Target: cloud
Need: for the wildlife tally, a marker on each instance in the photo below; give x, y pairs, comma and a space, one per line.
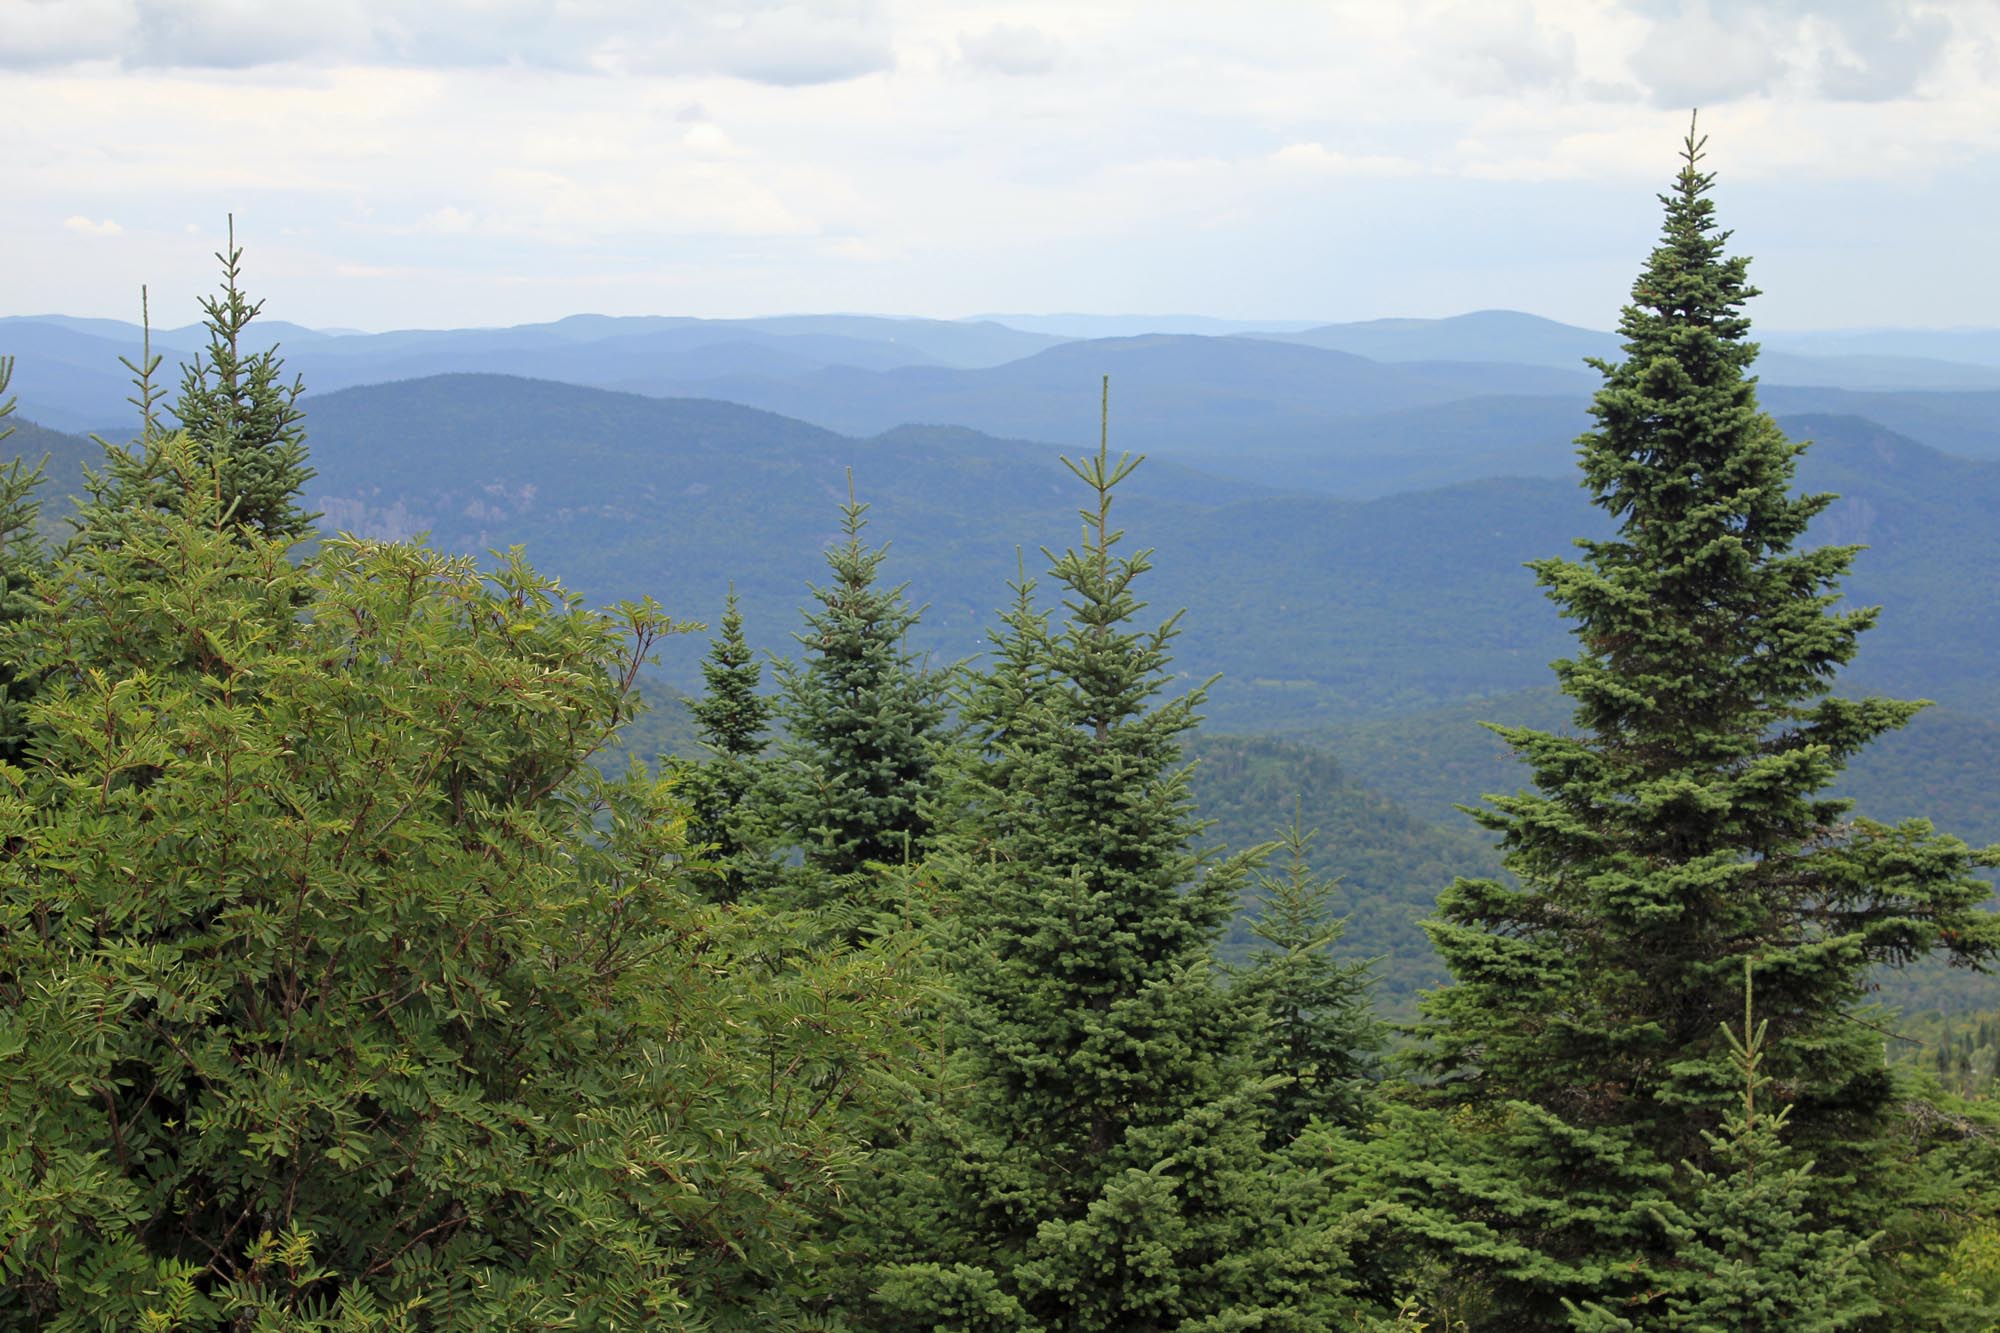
447, 221
1699, 53
45, 32
523, 148
1503, 49
1009, 48
1697, 59
1315, 157
84, 226
780, 44
710, 141
1878, 53
761, 41
242, 34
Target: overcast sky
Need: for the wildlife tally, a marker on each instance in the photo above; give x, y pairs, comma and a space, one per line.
446, 162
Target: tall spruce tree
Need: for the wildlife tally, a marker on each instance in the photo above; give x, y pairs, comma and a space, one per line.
863, 720
1680, 831
1098, 1160
730, 718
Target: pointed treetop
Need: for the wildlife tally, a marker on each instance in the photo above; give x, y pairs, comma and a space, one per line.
145, 394
1102, 475
853, 514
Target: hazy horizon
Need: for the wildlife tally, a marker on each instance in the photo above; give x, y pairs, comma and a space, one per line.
486, 163
1026, 321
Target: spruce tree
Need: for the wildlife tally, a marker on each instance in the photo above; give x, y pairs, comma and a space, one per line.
236, 408
1096, 1161
730, 718
990, 703
1746, 1254
1679, 831
863, 721
1322, 1035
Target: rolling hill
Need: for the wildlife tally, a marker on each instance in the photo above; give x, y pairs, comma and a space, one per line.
1381, 629
1318, 609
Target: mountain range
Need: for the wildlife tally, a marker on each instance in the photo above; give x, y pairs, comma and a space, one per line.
1316, 607
1209, 385
1344, 510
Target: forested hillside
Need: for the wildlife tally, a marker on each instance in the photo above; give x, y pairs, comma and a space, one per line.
486, 852
1418, 600
1388, 663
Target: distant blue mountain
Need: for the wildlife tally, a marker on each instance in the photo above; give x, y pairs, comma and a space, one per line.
1376, 394
1317, 608
1845, 361
1132, 326
1198, 398
1483, 335
68, 373
1977, 346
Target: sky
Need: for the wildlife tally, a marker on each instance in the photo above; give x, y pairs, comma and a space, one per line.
442, 163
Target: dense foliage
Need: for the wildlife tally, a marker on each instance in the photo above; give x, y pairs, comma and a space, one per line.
369, 959
21, 560
1098, 1160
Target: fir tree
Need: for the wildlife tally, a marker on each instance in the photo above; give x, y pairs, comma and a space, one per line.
236, 409
990, 705
1322, 1035
1747, 1255
863, 720
730, 719
731, 716
1097, 1162
1678, 832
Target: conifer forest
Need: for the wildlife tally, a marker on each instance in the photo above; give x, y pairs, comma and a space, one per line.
389, 942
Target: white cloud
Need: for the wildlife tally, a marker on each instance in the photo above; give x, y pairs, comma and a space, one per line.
1311, 156
55, 32
1010, 48
87, 227
776, 42
447, 221
1879, 52
1503, 48
513, 159
1698, 59
710, 141
1701, 52
786, 45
